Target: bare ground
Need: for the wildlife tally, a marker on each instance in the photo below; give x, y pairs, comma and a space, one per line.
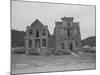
32, 64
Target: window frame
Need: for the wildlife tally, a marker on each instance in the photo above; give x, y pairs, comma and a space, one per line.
30, 43
37, 33
43, 32
62, 46
30, 32
44, 44
68, 33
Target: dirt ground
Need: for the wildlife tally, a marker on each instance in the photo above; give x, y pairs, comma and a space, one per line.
21, 63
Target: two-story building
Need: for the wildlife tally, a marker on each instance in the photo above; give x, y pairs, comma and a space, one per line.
36, 39
66, 37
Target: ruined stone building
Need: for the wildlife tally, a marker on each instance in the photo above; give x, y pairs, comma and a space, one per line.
66, 37
36, 39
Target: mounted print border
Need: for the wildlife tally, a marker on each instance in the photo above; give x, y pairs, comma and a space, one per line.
52, 37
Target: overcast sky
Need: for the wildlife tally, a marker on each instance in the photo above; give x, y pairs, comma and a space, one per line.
24, 13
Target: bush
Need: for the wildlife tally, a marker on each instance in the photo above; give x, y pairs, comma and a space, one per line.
48, 53
61, 52
93, 51
18, 50
89, 50
33, 52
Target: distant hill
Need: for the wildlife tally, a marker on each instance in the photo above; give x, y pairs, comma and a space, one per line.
17, 38
91, 41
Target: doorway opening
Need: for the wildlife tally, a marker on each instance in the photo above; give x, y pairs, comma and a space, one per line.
37, 43
71, 46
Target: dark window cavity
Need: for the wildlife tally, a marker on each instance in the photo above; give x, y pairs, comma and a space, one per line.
44, 42
76, 43
71, 46
68, 32
37, 33
30, 43
68, 24
62, 46
44, 32
30, 32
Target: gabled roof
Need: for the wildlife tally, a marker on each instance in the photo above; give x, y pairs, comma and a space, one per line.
36, 22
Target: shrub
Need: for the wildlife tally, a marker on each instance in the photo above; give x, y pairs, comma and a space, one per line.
18, 50
62, 52
33, 52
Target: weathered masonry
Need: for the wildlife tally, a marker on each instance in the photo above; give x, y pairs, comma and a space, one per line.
66, 37
36, 39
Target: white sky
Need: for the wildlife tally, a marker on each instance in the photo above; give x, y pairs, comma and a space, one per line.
24, 13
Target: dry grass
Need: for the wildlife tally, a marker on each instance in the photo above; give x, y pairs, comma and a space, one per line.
29, 64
